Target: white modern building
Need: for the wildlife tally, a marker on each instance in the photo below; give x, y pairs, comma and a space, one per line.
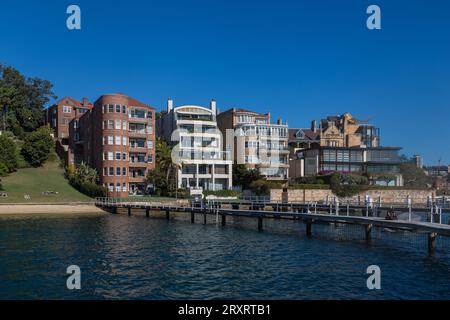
197, 146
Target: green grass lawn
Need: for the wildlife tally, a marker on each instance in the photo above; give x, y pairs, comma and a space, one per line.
34, 181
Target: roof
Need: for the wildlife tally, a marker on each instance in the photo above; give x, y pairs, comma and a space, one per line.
309, 134
241, 110
74, 102
131, 101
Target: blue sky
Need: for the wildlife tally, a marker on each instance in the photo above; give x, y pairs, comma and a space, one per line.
300, 60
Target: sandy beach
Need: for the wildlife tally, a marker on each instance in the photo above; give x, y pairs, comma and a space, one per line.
14, 209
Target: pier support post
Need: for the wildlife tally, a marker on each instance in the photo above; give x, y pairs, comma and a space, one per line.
224, 219
260, 223
147, 212
432, 242
129, 211
369, 232
192, 217
204, 217
308, 229
167, 215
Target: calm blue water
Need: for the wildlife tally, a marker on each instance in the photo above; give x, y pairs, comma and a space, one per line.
137, 258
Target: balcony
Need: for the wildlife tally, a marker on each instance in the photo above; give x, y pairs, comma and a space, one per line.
198, 155
137, 133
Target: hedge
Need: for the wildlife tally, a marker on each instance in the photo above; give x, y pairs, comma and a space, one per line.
222, 193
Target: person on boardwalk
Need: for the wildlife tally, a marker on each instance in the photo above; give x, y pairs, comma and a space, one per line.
391, 214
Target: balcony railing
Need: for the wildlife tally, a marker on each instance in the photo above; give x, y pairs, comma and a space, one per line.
220, 155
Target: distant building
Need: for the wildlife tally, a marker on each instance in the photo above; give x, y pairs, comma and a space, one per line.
418, 160
346, 131
197, 141
345, 145
256, 142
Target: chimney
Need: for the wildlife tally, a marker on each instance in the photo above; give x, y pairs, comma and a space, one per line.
169, 105
213, 106
314, 126
85, 102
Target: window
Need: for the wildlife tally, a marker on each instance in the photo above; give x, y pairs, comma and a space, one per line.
118, 124
76, 124
118, 140
110, 124
105, 124
150, 144
124, 109
111, 187
118, 171
124, 187
118, 108
110, 140
124, 125
104, 108
118, 187
150, 130
124, 171
124, 156
111, 171
105, 140
67, 109
105, 171
150, 115
117, 155
124, 141
110, 108
150, 158
110, 156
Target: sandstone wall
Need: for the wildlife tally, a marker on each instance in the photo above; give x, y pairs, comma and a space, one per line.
418, 197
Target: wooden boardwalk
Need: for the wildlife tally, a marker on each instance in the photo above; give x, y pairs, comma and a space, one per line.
321, 214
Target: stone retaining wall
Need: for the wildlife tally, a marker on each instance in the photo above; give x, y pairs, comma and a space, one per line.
418, 197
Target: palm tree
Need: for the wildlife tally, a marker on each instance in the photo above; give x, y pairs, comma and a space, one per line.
164, 159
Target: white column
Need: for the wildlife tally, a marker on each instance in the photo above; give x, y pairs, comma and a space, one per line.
230, 176
196, 175
213, 176
179, 178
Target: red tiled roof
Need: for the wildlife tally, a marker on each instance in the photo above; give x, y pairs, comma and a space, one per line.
135, 103
73, 101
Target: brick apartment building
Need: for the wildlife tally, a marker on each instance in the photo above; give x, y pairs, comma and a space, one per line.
256, 142
115, 136
59, 116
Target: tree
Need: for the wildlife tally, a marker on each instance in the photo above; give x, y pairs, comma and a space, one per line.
242, 176
8, 156
165, 170
37, 146
25, 99
414, 176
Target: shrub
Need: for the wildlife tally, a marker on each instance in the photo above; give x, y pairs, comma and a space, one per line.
181, 193
222, 193
309, 186
8, 154
3, 170
84, 179
263, 186
38, 146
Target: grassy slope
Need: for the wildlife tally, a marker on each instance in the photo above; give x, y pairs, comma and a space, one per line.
34, 181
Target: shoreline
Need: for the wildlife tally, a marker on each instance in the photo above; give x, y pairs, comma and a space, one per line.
49, 208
